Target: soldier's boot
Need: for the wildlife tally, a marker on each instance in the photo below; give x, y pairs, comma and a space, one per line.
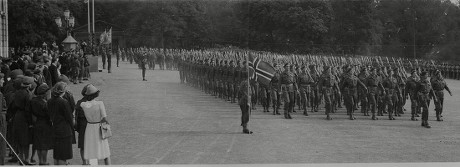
413, 118
425, 124
352, 117
373, 116
328, 109
246, 130
438, 116
305, 112
390, 115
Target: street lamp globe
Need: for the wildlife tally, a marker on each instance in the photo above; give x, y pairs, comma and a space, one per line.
71, 21
58, 21
67, 14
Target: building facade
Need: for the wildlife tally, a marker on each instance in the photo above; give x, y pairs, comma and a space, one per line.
4, 47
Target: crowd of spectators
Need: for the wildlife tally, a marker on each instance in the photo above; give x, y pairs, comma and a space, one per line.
38, 110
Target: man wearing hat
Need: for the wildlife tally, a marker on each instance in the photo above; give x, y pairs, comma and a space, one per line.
411, 91
373, 83
288, 87
327, 83
425, 92
438, 85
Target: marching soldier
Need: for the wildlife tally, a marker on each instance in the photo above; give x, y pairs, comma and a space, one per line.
362, 94
425, 93
381, 96
373, 84
392, 93
402, 87
275, 91
411, 90
349, 88
288, 87
337, 98
439, 85
314, 98
327, 83
305, 82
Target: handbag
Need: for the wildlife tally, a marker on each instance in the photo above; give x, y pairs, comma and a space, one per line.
106, 132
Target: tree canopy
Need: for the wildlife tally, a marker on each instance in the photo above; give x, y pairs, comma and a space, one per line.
404, 28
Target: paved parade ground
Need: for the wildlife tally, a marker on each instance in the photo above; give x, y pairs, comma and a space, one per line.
161, 121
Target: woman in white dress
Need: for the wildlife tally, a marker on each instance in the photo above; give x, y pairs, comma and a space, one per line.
95, 147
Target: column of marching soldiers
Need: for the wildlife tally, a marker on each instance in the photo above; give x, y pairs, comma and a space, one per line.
376, 86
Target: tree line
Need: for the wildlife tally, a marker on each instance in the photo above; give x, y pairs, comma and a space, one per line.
402, 28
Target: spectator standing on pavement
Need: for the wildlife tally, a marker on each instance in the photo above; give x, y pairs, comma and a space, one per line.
43, 131
61, 118
3, 123
95, 113
81, 124
22, 118
53, 70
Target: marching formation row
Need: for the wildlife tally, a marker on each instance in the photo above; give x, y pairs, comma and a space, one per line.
307, 80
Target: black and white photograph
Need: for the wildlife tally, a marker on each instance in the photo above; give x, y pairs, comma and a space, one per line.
230, 82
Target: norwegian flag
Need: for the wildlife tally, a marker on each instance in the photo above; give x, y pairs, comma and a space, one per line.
260, 71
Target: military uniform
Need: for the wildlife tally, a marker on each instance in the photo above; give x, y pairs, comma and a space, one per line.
244, 106
305, 82
373, 84
288, 88
424, 92
392, 90
350, 93
314, 96
275, 86
327, 83
411, 90
362, 94
438, 85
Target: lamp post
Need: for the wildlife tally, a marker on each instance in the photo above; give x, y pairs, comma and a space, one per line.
68, 24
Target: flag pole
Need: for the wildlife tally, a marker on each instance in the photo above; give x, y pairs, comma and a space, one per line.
249, 85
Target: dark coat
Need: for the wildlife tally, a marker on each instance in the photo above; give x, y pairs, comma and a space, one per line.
43, 130
22, 117
47, 76
53, 74
61, 117
81, 122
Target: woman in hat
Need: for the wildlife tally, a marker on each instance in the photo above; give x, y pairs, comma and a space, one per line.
22, 119
43, 131
61, 118
95, 147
